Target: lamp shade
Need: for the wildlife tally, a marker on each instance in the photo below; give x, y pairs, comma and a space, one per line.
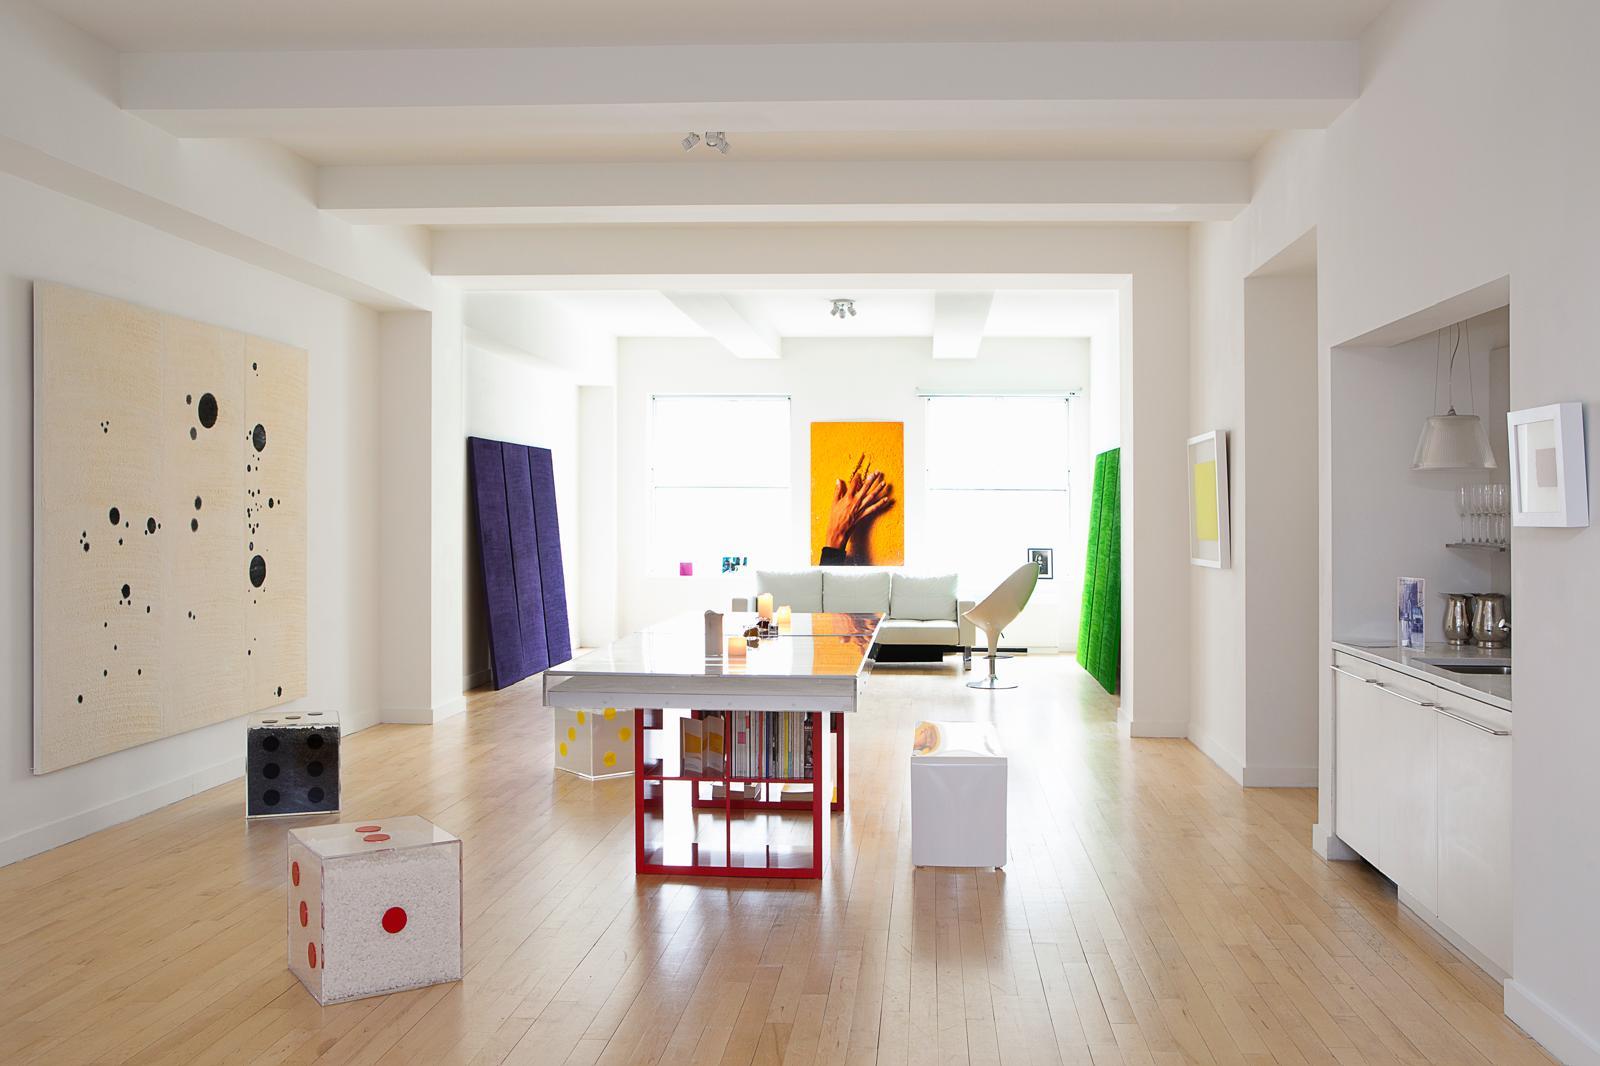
1453, 442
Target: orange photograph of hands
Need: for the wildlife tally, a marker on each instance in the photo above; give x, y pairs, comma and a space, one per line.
858, 515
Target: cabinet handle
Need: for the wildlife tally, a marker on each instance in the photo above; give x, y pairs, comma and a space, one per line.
1402, 696
1476, 725
1358, 677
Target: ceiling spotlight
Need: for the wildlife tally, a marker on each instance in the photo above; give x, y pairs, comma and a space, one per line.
690, 141
843, 309
717, 140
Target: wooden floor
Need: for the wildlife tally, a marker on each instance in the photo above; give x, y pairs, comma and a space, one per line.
1152, 912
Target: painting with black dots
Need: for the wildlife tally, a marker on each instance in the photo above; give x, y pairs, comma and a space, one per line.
149, 620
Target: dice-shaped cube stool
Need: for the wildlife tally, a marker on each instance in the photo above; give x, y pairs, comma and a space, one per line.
291, 763
593, 744
374, 907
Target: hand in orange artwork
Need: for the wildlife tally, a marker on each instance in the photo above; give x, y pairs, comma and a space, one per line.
864, 493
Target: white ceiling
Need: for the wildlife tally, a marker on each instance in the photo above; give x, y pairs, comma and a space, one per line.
880, 313
176, 25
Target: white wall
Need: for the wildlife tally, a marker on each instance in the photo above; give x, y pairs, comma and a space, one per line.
52, 238
834, 380
513, 396
1471, 157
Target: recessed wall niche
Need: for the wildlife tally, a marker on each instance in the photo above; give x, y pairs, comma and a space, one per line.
168, 595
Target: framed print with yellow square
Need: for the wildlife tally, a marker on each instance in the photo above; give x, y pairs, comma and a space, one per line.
1208, 499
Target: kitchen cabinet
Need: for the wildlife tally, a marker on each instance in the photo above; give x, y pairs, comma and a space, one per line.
1422, 790
1475, 825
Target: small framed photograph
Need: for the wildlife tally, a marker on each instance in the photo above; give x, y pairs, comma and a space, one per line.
1411, 610
1549, 477
1044, 559
1208, 499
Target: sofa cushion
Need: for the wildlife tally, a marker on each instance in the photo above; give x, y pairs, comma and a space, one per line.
857, 591
800, 589
913, 631
923, 598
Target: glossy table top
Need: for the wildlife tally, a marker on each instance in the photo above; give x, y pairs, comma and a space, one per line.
816, 646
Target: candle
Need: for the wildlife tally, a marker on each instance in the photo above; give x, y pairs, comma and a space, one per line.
784, 616
764, 606
736, 647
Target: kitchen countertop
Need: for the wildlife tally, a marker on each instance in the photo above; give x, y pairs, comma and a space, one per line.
1493, 689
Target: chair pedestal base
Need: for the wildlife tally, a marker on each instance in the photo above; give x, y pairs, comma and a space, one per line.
991, 683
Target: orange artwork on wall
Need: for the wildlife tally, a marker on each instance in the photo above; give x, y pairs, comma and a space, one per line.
858, 493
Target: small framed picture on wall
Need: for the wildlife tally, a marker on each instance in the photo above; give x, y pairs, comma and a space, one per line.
1411, 611
1208, 499
1044, 559
1549, 477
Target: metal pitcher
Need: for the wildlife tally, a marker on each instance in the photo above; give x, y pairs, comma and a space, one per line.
1491, 620
1457, 618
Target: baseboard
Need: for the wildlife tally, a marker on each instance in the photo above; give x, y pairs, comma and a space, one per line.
1225, 759
1280, 777
1558, 1035
424, 715
1156, 730
1330, 847
476, 679
77, 826
1459, 942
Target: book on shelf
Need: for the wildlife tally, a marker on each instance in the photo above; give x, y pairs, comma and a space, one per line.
692, 738
765, 744
715, 728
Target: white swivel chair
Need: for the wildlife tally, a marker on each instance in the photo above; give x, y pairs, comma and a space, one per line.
998, 610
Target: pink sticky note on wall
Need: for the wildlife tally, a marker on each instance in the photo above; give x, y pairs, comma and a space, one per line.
686, 570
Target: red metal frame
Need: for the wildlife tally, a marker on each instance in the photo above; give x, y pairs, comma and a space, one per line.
645, 776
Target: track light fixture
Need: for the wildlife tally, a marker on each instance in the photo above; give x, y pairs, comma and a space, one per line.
843, 309
714, 139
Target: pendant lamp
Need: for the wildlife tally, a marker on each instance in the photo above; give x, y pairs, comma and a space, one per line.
1451, 441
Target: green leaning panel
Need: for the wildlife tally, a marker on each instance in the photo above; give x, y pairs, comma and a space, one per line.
1100, 624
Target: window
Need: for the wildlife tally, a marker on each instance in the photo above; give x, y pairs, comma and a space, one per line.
998, 474
719, 481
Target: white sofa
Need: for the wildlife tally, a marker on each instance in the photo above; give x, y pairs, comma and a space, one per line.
921, 613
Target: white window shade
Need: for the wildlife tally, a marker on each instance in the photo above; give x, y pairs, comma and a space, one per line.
997, 442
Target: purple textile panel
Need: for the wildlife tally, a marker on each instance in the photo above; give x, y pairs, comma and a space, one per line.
513, 493
558, 633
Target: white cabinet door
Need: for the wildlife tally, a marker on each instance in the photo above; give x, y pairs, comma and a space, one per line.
1408, 841
1475, 826
1357, 752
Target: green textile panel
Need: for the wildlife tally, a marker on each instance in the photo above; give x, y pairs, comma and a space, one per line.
1100, 624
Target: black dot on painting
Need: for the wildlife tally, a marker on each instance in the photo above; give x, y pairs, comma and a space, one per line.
315, 795
258, 571
80, 697
115, 516
258, 437
269, 501
85, 545
147, 609
197, 503
126, 592
207, 410
193, 433
194, 525
314, 769
105, 673
189, 398
280, 690
149, 525
269, 744
270, 771
140, 671
314, 741
270, 797
119, 540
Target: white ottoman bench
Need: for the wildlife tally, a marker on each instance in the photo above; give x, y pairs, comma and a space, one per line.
958, 795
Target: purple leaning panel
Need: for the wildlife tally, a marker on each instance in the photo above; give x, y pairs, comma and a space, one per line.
557, 631
525, 559
485, 466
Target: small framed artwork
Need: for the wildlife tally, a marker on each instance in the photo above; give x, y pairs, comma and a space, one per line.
1549, 477
1411, 611
1044, 559
1208, 499
732, 564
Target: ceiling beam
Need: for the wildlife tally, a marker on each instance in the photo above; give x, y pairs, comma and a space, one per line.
732, 324
813, 88
959, 320
724, 191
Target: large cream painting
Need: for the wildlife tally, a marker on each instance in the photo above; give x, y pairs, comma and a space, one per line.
169, 525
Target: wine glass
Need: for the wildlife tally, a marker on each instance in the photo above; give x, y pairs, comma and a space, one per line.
1463, 505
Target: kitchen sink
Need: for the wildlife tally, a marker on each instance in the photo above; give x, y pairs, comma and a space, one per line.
1474, 668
